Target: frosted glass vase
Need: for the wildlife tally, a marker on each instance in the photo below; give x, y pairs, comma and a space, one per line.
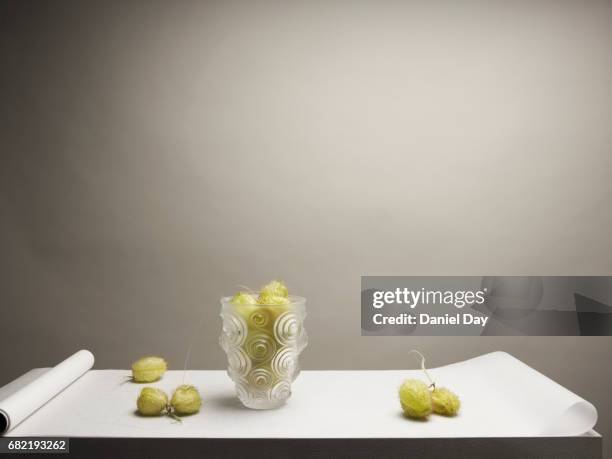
263, 344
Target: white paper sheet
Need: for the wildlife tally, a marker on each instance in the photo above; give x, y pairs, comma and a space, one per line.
501, 397
21, 402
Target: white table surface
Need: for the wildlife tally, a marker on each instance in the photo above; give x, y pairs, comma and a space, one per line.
324, 404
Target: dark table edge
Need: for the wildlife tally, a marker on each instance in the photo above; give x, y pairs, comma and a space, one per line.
583, 447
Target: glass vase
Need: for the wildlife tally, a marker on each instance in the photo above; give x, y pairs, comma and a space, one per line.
263, 344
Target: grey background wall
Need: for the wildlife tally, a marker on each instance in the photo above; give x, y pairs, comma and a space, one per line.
154, 155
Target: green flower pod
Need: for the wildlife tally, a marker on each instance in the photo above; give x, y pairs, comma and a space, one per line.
275, 288
186, 400
243, 298
415, 399
445, 402
152, 402
148, 369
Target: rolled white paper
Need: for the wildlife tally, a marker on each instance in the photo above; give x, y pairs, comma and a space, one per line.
22, 403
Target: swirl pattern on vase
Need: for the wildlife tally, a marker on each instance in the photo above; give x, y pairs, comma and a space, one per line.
261, 378
284, 362
238, 362
260, 346
259, 318
286, 328
235, 331
281, 391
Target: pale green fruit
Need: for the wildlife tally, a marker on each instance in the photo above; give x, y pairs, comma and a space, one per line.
152, 402
269, 299
243, 298
186, 400
415, 399
148, 369
445, 402
275, 288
